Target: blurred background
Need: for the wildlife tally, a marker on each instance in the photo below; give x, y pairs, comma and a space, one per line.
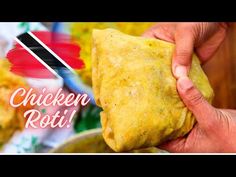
221, 71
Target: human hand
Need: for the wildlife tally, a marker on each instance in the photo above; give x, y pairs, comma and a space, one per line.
215, 130
203, 38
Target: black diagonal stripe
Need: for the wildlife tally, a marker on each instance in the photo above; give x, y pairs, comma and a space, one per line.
40, 51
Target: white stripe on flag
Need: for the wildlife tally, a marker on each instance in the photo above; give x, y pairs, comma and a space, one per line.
53, 53
38, 58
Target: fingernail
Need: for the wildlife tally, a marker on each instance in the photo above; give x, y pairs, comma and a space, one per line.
180, 71
185, 83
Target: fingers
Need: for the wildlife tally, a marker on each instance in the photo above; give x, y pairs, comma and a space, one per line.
184, 38
163, 31
193, 99
209, 47
182, 58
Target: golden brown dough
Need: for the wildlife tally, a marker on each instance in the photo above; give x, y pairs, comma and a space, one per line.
133, 83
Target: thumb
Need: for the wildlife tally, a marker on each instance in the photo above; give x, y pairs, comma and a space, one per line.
196, 103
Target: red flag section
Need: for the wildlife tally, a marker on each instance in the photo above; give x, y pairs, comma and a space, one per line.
24, 64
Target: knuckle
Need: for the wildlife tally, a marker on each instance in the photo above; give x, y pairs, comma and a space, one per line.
187, 28
183, 57
183, 53
194, 97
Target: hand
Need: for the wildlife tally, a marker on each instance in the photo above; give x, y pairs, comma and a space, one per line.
204, 38
215, 130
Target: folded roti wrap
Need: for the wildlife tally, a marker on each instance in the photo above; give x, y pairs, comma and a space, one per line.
133, 83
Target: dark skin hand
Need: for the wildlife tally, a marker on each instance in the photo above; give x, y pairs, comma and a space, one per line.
215, 130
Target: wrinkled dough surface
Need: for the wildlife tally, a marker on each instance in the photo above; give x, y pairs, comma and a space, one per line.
134, 85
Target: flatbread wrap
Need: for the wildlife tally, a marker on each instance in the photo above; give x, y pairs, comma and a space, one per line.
134, 85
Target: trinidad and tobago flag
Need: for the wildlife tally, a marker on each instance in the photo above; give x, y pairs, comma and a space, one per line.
44, 54
40, 54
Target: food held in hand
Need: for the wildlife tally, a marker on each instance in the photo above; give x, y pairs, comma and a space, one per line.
134, 85
82, 31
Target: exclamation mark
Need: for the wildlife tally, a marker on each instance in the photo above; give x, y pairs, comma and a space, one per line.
71, 118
